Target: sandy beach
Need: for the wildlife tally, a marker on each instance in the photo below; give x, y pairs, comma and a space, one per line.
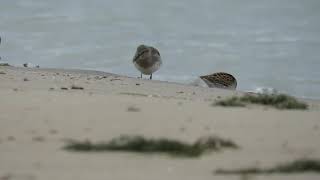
40, 111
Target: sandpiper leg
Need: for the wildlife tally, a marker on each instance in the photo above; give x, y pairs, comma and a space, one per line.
141, 76
151, 76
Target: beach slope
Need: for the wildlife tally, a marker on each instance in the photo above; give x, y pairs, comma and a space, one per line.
41, 109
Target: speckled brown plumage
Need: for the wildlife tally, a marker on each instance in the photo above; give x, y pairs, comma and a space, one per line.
220, 80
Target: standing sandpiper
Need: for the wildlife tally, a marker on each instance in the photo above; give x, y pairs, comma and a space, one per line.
147, 60
220, 80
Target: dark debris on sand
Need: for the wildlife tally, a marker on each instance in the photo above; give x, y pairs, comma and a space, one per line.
133, 109
279, 101
4, 64
297, 166
140, 144
77, 87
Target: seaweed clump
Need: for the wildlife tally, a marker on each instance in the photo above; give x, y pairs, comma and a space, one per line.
279, 101
140, 144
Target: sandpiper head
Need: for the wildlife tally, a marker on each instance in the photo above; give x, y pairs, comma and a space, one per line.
141, 47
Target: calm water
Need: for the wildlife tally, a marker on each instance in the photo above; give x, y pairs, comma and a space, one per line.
263, 43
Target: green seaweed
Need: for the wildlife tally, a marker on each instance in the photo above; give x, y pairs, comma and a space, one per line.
279, 101
140, 144
298, 166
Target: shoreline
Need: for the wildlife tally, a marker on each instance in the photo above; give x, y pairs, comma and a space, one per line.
85, 77
197, 82
103, 73
38, 117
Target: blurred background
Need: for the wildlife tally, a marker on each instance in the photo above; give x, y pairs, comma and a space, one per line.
265, 43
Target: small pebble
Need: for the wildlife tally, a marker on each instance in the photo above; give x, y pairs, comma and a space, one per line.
6, 177
99, 77
285, 144
77, 87
64, 88
36, 165
38, 138
182, 129
52, 88
53, 131
115, 79
25, 79
207, 128
1, 72
138, 84
133, 109
11, 138
189, 119
33, 132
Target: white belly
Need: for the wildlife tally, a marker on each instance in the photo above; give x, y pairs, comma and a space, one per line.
149, 70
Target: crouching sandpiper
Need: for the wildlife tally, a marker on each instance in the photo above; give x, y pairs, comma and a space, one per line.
147, 60
220, 80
